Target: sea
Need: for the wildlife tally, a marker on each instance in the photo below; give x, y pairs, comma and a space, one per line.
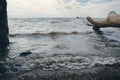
60, 44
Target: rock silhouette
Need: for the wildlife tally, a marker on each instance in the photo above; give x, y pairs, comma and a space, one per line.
4, 31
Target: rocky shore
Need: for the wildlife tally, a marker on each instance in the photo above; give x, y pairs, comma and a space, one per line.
107, 72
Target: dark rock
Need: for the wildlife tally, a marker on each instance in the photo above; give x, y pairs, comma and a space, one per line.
108, 72
95, 73
3, 18
9, 67
4, 30
23, 54
12, 67
3, 69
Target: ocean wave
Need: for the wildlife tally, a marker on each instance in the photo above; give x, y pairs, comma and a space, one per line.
57, 62
49, 33
61, 21
69, 62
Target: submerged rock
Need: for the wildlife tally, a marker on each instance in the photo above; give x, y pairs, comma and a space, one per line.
23, 54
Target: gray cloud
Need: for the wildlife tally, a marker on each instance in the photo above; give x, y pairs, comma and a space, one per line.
100, 1
67, 1
68, 7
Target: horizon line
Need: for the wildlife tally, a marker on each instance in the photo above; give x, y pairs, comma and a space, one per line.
43, 17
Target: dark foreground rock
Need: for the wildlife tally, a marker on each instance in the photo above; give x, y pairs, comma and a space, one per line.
8, 67
109, 72
4, 31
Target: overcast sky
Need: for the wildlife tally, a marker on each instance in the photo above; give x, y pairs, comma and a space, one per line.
61, 8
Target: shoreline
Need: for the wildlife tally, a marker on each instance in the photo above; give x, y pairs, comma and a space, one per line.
108, 72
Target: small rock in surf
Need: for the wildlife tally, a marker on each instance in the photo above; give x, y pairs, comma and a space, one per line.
26, 53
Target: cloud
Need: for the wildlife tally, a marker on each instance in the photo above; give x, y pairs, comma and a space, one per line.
82, 1
67, 0
61, 8
101, 1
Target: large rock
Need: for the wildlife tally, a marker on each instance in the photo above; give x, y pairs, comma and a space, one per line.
4, 31
3, 18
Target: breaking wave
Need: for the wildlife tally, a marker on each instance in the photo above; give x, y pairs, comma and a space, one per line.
50, 33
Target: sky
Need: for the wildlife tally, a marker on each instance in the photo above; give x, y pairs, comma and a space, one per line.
61, 8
